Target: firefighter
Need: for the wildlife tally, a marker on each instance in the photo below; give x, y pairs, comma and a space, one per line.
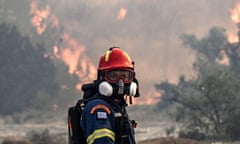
104, 118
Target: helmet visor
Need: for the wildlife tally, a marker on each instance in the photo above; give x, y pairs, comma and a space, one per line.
114, 76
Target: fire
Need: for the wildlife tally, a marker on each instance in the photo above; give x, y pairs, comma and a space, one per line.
75, 58
235, 16
235, 13
72, 53
232, 38
122, 14
39, 17
70, 57
56, 51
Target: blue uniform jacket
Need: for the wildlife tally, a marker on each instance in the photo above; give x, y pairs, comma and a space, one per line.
98, 123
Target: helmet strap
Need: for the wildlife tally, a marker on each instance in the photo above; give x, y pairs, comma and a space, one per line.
100, 75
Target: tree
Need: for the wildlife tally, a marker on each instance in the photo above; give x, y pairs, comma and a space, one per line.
208, 106
167, 91
25, 71
208, 47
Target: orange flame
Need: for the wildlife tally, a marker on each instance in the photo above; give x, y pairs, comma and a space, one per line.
73, 54
122, 14
235, 16
39, 17
235, 13
79, 64
232, 38
70, 55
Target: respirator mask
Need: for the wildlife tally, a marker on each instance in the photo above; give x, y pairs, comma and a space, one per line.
118, 83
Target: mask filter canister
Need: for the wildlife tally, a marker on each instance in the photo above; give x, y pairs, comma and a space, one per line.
105, 89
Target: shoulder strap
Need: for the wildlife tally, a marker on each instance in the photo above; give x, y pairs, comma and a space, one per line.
79, 105
89, 90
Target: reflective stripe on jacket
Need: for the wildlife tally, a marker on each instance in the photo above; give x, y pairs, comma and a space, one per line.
98, 123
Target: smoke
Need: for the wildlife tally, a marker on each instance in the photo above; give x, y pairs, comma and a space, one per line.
148, 30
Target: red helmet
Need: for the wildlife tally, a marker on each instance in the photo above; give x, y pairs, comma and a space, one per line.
115, 58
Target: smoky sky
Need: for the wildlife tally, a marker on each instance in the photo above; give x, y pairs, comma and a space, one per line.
149, 32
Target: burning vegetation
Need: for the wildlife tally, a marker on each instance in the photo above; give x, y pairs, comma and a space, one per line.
213, 111
70, 51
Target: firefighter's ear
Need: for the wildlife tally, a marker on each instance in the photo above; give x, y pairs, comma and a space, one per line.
105, 88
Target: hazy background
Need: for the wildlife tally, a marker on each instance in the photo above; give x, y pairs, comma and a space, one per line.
77, 32
148, 30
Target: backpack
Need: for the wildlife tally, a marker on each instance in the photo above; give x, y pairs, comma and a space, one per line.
75, 134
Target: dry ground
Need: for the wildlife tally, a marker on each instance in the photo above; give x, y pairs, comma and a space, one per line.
170, 140
164, 140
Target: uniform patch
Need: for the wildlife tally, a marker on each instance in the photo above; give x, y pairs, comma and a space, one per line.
101, 115
100, 107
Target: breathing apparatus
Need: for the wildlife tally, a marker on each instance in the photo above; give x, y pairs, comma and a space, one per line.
116, 75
